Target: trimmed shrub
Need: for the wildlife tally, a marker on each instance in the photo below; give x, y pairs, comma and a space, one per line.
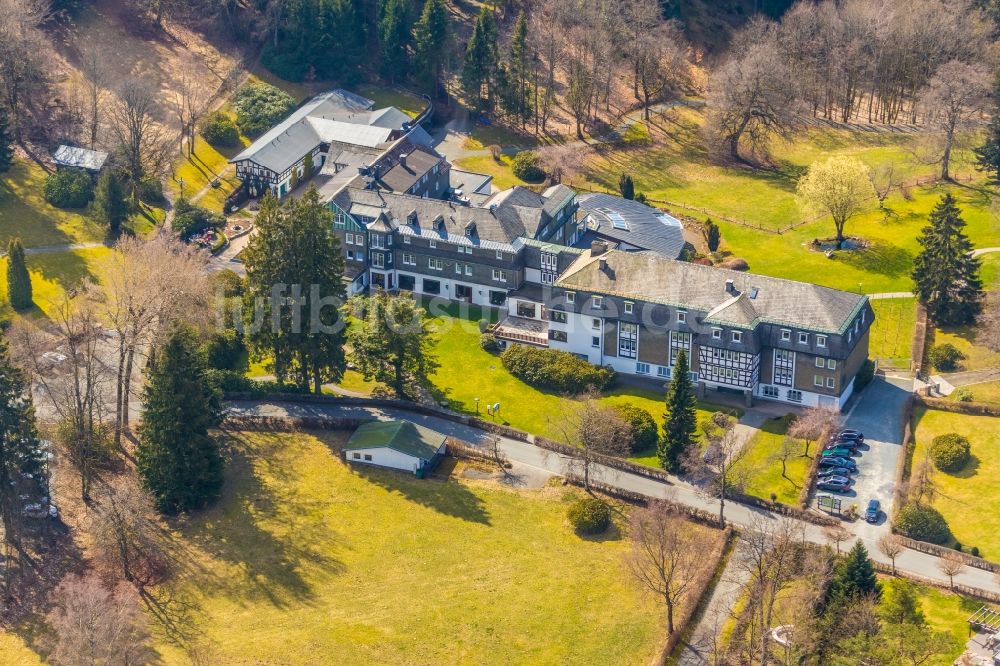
641, 425
260, 106
865, 375
525, 166
923, 523
483, 325
963, 395
190, 219
974, 551
69, 188
228, 281
950, 452
488, 342
220, 130
945, 357
555, 370
151, 190
590, 515
735, 264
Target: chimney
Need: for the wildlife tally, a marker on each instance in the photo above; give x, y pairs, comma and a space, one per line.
597, 248
730, 287
602, 264
402, 160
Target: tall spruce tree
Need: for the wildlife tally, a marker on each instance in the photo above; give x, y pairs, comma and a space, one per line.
481, 59
681, 418
520, 69
20, 451
394, 38
431, 35
626, 187
854, 576
391, 344
945, 274
18, 279
178, 460
111, 205
6, 141
296, 250
988, 154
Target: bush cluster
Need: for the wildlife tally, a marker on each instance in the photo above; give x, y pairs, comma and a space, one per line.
923, 523
189, 219
220, 130
963, 395
735, 264
233, 381
641, 425
488, 342
590, 515
555, 370
260, 106
526, 166
945, 357
865, 375
151, 190
950, 452
69, 188
225, 350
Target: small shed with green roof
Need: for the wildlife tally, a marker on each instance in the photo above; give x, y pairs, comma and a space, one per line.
397, 445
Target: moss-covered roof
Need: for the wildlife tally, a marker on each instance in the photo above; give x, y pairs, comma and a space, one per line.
401, 436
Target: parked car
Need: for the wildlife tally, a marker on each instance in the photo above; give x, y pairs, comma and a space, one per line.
835, 471
838, 462
873, 510
850, 433
838, 452
852, 445
835, 483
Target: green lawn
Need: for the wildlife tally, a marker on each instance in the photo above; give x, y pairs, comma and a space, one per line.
967, 499
466, 372
985, 392
762, 464
53, 274
207, 164
990, 272
977, 357
891, 336
304, 556
384, 96
502, 175
943, 611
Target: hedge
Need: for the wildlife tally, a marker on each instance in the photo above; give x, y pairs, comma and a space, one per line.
950, 452
219, 130
555, 370
641, 425
69, 188
923, 523
261, 106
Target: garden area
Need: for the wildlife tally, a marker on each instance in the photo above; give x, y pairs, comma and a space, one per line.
967, 496
304, 555
890, 339
762, 465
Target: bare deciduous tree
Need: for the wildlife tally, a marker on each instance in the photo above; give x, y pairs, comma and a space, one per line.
891, 546
141, 142
836, 534
956, 92
596, 430
884, 180
127, 539
94, 625
666, 554
24, 60
813, 424
718, 470
95, 81
951, 565
660, 63
191, 99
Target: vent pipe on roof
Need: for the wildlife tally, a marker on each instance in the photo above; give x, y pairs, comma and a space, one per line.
493, 209
602, 264
730, 287
597, 248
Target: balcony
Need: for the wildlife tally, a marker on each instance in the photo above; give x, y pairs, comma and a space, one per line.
526, 331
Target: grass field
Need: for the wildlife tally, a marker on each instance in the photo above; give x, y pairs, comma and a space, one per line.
977, 357
943, 611
304, 556
383, 96
206, 165
966, 499
762, 464
53, 274
985, 392
891, 336
503, 177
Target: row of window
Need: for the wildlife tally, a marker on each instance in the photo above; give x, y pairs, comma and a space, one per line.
354, 239
786, 336
791, 395
831, 382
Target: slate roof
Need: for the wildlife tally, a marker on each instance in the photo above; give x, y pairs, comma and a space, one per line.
392, 174
72, 156
632, 223
653, 278
401, 436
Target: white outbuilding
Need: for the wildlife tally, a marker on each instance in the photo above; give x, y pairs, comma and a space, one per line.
397, 445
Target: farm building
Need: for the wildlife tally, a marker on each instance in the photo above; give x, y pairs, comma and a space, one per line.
397, 445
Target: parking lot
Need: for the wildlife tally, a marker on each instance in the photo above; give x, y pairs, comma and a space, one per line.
879, 415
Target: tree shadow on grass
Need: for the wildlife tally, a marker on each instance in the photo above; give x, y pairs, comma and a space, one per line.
258, 527
970, 469
879, 257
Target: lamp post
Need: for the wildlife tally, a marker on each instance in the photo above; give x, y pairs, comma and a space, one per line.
477, 406
180, 181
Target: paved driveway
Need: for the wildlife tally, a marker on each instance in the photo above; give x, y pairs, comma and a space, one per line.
879, 415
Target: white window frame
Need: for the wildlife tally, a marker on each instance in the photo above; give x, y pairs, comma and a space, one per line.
663, 371
716, 333
499, 254
820, 362
786, 335
818, 380
682, 316
409, 259
349, 239
432, 243
458, 268
406, 240
831, 382
629, 307
378, 260
803, 338
571, 297
831, 364
595, 341
642, 368
794, 395
468, 269
769, 391
596, 324
499, 275
597, 302
737, 337
821, 341
435, 264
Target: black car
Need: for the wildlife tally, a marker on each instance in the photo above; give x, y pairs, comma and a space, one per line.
873, 510
838, 462
834, 471
835, 483
850, 436
845, 444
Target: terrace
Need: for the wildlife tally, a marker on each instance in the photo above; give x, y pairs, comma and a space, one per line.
520, 329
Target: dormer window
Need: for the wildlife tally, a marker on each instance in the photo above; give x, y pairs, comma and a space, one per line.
786, 335
803, 338
682, 316
411, 218
737, 336
571, 297
598, 301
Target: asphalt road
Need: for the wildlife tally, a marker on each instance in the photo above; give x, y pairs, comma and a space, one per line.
879, 415
527, 454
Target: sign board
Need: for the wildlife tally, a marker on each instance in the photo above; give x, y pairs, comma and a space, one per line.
828, 502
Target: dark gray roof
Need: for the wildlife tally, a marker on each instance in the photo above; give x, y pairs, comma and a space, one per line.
631, 223
650, 277
392, 174
469, 181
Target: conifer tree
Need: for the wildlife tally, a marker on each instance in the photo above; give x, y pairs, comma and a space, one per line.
854, 577
945, 274
394, 38
481, 59
18, 279
178, 460
626, 187
111, 205
988, 154
681, 418
431, 35
520, 66
20, 451
6, 141
713, 235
